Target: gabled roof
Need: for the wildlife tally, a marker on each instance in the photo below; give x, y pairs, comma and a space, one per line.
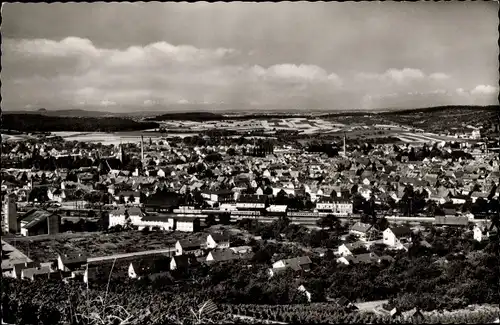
297, 263
181, 260
143, 266
401, 231
69, 259
361, 227
188, 244
34, 271
218, 237
362, 258
355, 245
220, 255
34, 217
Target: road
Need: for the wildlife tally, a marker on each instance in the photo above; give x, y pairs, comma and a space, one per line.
98, 259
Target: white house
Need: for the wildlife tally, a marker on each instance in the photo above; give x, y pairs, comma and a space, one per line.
347, 249
395, 237
361, 230
305, 292
335, 207
217, 241
117, 217
480, 233
188, 224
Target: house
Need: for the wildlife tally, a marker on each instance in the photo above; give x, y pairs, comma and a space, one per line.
142, 268
218, 196
251, 202
303, 290
181, 262
39, 222
336, 207
187, 224
117, 217
17, 267
361, 230
35, 273
366, 258
226, 254
162, 222
129, 197
217, 240
480, 233
302, 263
344, 303
188, 246
396, 236
348, 249
70, 262
56, 195
242, 249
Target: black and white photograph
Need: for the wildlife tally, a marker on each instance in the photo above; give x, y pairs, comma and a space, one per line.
250, 163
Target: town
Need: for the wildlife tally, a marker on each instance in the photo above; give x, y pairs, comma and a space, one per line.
250, 163
82, 212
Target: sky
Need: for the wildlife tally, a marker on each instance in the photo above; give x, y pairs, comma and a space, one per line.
121, 57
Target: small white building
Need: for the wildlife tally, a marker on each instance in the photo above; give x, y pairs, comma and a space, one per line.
117, 217
188, 224
217, 241
480, 233
395, 237
305, 292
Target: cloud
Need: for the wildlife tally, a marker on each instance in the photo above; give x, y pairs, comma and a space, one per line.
484, 90
107, 103
76, 71
439, 76
292, 72
394, 75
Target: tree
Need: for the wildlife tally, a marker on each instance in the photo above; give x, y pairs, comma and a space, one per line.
225, 218
131, 198
268, 190
210, 220
330, 221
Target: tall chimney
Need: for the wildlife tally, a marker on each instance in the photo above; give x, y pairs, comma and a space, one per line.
142, 148
344, 146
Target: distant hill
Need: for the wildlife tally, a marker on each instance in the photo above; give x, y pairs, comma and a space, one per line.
62, 113
435, 109
44, 123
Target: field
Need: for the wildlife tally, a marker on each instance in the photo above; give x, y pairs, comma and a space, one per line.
44, 248
115, 138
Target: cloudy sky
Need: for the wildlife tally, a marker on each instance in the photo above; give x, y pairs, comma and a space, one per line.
354, 55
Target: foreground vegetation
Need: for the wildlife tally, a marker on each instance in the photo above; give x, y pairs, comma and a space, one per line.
58, 303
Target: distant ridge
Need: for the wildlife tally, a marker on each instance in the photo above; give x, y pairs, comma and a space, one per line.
43, 123
63, 113
438, 109
195, 113
206, 116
